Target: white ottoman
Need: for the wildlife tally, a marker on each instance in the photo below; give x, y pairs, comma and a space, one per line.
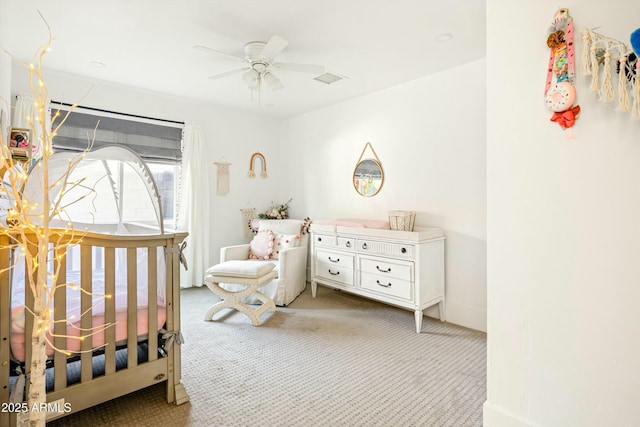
250, 273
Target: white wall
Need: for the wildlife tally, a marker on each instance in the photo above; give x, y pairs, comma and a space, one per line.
563, 232
430, 137
5, 71
228, 133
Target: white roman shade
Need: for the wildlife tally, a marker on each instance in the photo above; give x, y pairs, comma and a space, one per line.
157, 141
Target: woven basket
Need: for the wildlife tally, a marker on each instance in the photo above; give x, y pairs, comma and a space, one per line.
402, 220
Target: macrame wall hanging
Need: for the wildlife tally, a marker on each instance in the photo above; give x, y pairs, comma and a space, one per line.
222, 184
560, 92
254, 157
600, 55
248, 214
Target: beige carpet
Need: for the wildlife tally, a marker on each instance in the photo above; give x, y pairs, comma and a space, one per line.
336, 360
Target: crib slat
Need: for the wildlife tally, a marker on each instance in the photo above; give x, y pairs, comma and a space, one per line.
60, 313
110, 310
152, 298
132, 308
86, 323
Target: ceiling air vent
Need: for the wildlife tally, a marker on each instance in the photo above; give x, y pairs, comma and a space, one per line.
328, 78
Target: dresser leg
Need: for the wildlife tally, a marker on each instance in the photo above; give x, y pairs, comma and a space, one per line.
314, 288
419, 315
441, 309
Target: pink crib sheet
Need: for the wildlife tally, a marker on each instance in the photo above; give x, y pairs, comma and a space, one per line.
98, 320
97, 309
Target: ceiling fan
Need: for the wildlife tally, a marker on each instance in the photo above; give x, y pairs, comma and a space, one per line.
259, 60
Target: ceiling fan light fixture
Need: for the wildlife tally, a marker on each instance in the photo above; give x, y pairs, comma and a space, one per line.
272, 81
251, 78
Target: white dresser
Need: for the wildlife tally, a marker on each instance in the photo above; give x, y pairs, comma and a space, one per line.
402, 268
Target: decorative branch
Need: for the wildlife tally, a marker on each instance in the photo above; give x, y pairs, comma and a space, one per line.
29, 229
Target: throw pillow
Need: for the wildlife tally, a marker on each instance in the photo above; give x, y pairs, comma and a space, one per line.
261, 246
284, 241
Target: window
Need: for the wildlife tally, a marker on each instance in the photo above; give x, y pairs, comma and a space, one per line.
157, 142
165, 176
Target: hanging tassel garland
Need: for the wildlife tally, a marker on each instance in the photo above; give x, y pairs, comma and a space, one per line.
623, 93
605, 52
595, 80
586, 53
606, 91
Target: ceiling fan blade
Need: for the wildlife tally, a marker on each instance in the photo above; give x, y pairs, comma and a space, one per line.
274, 46
228, 73
300, 68
220, 53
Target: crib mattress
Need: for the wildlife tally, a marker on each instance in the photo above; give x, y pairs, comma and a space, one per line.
97, 311
73, 344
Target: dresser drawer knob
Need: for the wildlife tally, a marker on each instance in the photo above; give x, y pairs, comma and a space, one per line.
348, 244
388, 270
364, 246
334, 260
319, 239
403, 250
383, 285
332, 273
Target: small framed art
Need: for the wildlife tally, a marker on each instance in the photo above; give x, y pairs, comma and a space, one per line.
20, 143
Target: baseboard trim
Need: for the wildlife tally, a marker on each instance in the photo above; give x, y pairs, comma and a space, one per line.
469, 317
494, 416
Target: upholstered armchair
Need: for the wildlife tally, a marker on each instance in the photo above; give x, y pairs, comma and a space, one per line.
289, 254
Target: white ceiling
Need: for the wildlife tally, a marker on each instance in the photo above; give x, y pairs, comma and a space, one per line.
148, 44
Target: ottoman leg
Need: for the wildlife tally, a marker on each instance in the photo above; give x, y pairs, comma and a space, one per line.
208, 315
234, 299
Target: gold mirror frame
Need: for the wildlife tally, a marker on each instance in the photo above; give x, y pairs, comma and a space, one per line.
368, 175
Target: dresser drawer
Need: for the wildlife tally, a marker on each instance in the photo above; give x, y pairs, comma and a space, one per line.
384, 268
387, 285
325, 240
334, 258
396, 250
335, 273
347, 243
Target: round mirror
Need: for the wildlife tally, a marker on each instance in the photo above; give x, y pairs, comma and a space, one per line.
368, 177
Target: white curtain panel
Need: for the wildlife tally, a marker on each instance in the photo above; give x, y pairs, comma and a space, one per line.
195, 207
25, 114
